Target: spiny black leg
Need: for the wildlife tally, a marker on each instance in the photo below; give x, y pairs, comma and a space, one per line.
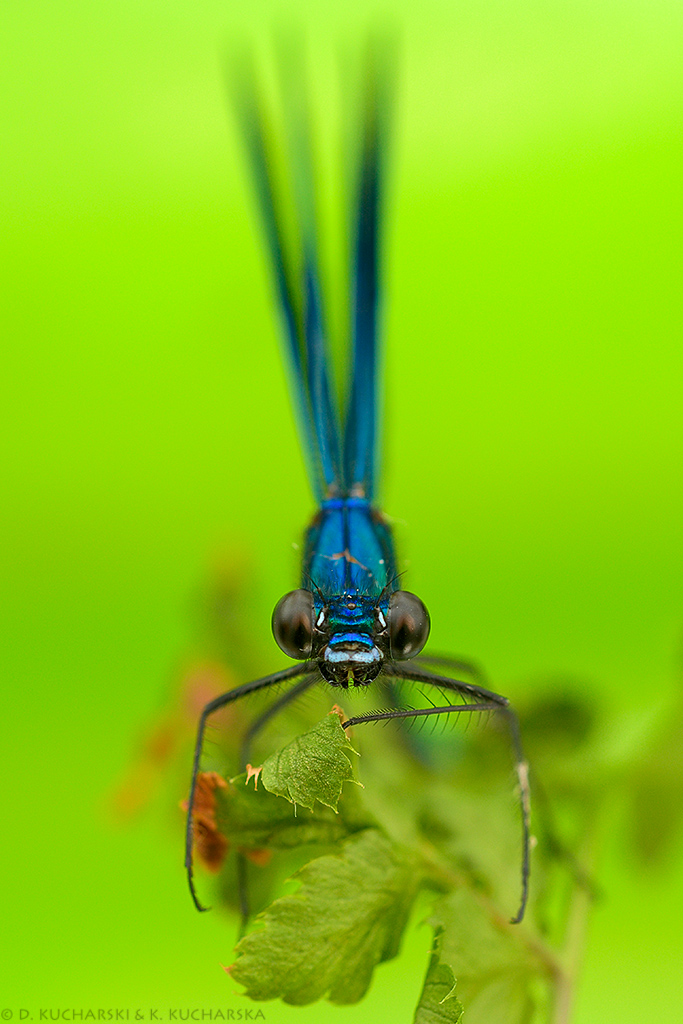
454, 664
395, 701
412, 671
214, 705
384, 716
482, 700
274, 709
254, 728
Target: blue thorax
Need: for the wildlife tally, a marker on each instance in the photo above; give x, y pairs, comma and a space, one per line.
349, 565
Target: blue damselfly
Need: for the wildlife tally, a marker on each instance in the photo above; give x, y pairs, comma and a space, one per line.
349, 621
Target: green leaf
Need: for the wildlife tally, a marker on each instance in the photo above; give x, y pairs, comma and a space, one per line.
258, 819
261, 820
326, 939
312, 767
497, 972
438, 1004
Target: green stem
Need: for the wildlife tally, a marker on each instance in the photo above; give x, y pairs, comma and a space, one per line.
577, 922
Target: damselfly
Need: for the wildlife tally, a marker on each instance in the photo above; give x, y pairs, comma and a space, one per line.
349, 621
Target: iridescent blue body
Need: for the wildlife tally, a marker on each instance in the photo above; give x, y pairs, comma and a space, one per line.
349, 620
349, 566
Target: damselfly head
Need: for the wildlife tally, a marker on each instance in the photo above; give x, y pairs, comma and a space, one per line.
351, 636
347, 637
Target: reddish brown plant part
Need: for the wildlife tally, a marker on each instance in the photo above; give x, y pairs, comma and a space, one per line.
211, 845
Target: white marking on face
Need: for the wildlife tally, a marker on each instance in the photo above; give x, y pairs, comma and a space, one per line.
380, 618
321, 619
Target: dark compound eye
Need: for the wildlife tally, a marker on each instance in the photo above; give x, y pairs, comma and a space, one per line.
408, 621
293, 623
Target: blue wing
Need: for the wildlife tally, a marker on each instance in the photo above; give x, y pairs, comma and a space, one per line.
360, 434
297, 281
297, 277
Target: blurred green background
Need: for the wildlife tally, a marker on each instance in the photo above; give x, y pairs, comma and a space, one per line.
533, 432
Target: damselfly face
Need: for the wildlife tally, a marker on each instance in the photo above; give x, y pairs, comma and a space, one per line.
351, 635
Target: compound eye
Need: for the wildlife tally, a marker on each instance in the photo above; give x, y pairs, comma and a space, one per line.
408, 621
293, 623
